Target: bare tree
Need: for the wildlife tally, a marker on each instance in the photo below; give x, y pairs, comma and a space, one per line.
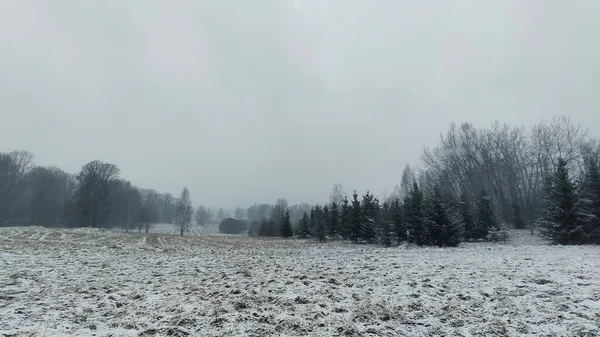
201, 216
168, 209
221, 215
49, 190
13, 169
94, 183
337, 194
183, 212
239, 214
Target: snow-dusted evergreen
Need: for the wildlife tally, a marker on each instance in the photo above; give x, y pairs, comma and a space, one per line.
442, 228
561, 216
414, 213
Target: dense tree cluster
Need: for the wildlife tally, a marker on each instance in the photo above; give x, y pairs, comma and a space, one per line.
474, 184
94, 197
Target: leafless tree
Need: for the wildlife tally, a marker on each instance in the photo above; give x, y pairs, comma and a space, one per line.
183, 212
337, 194
94, 183
14, 167
509, 162
202, 216
239, 214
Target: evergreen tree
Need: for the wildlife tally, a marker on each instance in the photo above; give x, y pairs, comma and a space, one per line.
326, 218
355, 219
561, 221
466, 217
591, 201
334, 220
442, 229
486, 217
286, 227
266, 228
318, 223
413, 205
370, 210
397, 218
303, 227
345, 219
386, 233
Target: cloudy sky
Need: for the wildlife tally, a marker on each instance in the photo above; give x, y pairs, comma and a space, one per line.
248, 101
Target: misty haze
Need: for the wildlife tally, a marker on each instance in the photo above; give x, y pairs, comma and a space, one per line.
299, 168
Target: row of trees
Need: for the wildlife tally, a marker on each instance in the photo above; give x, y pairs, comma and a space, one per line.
545, 177
425, 219
96, 196
471, 182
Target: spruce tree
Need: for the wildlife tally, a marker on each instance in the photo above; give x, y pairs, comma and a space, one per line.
370, 210
326, 218
386, 235
413, 205
355, 229
267, 228
591, 201
442, 228
517, 220
334, 220
397, 217
561, 218
385, 232
466, 217
303, 227
345, 219
486, 217
318, 223
286, 227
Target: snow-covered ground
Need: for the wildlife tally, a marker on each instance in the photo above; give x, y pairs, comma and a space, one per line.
86, 282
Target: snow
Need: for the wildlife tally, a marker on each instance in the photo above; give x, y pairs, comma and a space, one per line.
89, 282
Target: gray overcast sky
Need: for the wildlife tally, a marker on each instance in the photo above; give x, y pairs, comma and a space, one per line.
247, 101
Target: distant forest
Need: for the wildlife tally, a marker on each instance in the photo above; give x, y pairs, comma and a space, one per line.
473, 185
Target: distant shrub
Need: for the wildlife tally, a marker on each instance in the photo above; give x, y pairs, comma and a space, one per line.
232, 226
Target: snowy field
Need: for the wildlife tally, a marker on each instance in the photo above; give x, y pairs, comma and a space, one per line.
86, 282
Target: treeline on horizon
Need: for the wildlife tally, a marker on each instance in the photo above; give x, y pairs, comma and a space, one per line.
472, 185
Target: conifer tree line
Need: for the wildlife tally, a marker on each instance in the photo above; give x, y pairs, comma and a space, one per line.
474, 185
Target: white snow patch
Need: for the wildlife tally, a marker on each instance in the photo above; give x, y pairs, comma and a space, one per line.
84, 282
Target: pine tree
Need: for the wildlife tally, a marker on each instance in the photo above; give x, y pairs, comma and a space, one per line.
318, 223
345, 219
355, 219
326, 218
286, 227
517, 220
370, 210
267, 228
413, 205
303, 227
442, 229
334, 220
591, 201
397, 218
561, 221
486, 217
466, 217
386, 233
